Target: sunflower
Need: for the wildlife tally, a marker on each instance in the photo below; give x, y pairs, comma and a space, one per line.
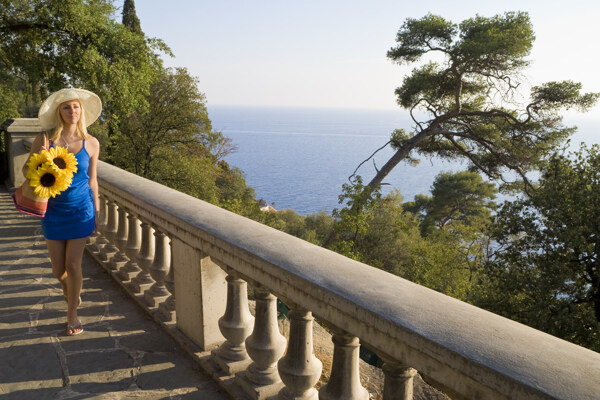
36, 160
64, 160
48, 180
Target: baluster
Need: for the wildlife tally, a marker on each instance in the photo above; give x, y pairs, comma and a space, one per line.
398, 383
120, 259
299, 369
132, 247
100, 241
167, 308
265, 347
158, 270
344, 382
110, 233
235, 325
143, 281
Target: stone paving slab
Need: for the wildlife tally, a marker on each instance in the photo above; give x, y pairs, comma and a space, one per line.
122, 354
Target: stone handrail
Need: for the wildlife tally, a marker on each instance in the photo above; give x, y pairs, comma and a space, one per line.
463, 350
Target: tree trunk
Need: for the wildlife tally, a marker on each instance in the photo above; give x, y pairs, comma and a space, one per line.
400, 155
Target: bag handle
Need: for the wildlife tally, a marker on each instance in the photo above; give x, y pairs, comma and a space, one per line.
46, 140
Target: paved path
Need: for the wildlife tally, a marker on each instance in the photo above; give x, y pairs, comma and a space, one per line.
121, 355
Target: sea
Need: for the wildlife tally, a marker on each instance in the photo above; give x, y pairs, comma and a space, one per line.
299, 158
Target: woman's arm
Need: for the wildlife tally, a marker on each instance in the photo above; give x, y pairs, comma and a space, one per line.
36, 147
94, 151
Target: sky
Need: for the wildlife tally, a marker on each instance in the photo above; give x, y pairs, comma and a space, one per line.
332, 53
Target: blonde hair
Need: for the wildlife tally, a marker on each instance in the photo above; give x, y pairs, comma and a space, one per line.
81, 130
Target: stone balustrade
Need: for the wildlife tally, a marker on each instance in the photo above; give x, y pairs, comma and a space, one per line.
189, 263
466, 352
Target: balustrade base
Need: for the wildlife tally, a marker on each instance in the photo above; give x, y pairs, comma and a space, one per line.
154, 301
92, 239
125, 276
230, 367
139, 288
104, 257
116, 264
93, 248
344, 393
257, 392
310, 394
166, 313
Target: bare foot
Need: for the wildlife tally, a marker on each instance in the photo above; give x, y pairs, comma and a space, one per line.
74, 329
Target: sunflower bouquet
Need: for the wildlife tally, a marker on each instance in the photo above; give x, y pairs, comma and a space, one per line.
51, 171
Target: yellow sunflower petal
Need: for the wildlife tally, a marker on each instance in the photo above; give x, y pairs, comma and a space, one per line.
36, 160
64, 160
48, 181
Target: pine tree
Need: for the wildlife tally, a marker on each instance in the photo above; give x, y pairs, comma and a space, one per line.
130, 19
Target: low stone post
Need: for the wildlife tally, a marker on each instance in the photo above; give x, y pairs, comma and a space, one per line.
120, 241
398, 381
299, 369
235, 325
159, 268
110, 233
344, 382
141, 259
132, 249
100, 241
201, 295
265, 347
166, 309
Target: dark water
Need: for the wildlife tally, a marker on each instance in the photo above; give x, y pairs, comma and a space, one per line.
299, 158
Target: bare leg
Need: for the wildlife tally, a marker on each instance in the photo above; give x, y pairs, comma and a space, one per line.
66, 257
56, 250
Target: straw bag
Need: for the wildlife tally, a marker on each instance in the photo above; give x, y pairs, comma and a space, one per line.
25, 199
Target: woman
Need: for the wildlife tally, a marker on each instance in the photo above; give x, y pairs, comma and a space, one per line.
71, 216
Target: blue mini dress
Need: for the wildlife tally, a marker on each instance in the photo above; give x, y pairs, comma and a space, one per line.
71, 214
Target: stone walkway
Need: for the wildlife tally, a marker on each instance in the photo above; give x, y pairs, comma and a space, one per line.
121, 355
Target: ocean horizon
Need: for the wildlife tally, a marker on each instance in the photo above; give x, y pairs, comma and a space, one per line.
299, 158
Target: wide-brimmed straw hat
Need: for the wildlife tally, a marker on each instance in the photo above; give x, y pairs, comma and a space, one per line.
91, 103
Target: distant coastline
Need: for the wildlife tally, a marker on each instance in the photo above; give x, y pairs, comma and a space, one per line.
299, 158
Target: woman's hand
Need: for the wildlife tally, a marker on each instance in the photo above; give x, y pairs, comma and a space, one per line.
96, 219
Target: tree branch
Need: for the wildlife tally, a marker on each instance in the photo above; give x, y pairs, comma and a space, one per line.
364, 161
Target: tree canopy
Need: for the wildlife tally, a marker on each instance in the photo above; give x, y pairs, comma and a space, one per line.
46, 45
130, 18
466, 105
545, 270
154, 121
172, 142
456, 197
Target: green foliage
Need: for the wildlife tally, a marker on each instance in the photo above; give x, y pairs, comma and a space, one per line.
11, 101
553, 95
460, 197
47, 45
388, 237
232, 184
439, 241
176, 116
352, 221
495, 45
459, 104
545, 271
172, 142
130, 18
419, 36
189, 174
154, 121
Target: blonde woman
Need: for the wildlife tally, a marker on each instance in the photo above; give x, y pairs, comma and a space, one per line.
71, 216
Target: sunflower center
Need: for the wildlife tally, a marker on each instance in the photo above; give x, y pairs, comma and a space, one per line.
60, 163
47, 180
